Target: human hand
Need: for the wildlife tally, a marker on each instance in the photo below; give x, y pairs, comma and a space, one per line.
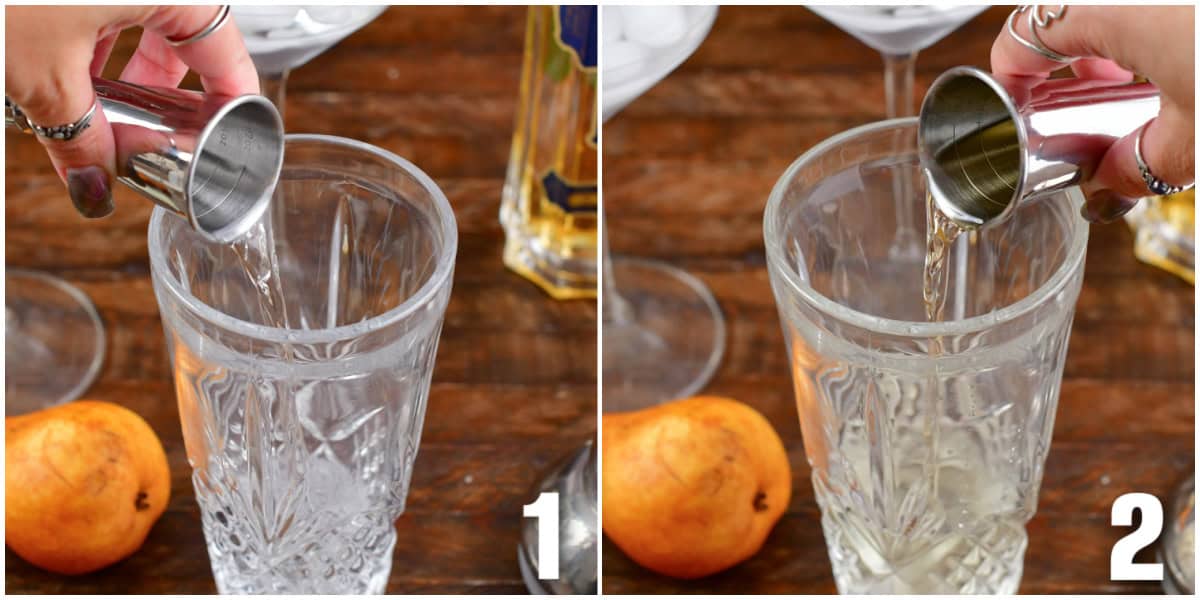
1115, 43
52, 52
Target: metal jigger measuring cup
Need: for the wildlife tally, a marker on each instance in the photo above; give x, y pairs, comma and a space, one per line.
213, 160
990, 144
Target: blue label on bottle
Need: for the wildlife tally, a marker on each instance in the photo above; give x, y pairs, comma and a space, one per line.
577, 31
570, 196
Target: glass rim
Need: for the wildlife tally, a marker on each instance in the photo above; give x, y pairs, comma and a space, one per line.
339, 31
440, 278
85, 303
782, 272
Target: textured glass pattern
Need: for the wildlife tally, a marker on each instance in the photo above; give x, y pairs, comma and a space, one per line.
926, 466
302, 418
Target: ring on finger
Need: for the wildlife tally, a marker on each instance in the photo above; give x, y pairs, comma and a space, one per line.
15, 117
213, 26
1039, 17
1157, 186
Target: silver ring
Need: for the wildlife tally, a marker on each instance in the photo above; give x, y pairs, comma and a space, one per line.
217, 23
1156, 186
1036, 20
15, 117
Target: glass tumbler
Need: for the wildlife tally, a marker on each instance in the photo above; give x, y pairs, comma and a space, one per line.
302, 389
926, 440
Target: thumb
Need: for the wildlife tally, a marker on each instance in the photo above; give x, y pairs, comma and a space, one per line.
86, 162
1168, 149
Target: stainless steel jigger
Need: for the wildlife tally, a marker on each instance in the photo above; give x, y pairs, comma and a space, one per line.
213, 160
990, 144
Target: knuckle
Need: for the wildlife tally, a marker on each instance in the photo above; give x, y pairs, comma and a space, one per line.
180, 21
53, 96
42, 98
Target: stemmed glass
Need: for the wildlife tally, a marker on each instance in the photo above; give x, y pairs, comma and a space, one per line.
282, 38
663, 330
899, 33
54, 341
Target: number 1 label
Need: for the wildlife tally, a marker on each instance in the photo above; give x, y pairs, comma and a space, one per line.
545, 510
1121, 565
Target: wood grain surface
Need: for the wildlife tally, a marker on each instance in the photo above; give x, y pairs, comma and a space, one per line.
514, 388
687, 171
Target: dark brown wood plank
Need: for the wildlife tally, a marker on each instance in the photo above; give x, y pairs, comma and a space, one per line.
514, 387
688, 168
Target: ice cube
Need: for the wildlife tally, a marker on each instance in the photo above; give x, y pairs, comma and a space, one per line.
622, 54
611, 16
654, 26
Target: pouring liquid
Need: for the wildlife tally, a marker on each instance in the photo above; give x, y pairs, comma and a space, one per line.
940, 234
255, 251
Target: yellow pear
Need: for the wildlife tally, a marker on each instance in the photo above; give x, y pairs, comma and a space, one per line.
83, 484
692, 487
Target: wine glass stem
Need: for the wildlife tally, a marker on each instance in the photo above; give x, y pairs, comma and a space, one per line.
616, 309
898, 84
274, 87
898, 89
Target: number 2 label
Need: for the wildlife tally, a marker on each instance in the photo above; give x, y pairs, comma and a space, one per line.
1121, 565
545, 510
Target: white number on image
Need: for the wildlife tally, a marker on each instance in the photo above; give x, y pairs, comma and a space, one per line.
1121, 565
545, 510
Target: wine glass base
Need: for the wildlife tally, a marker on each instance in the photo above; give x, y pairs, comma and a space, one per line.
54, 341
665, 338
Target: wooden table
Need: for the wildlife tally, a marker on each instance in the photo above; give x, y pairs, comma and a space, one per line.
515, 384
687, 171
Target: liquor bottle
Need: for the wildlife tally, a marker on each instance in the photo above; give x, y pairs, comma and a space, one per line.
1164, 230
548, 208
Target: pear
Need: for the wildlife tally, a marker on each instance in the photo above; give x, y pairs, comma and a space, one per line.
694, 486
83, 483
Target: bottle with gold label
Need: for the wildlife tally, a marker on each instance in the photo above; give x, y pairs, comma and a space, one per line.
548, 208
1164, 229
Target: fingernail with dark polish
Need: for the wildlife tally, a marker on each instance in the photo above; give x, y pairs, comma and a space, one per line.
1106, 206
90, 191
